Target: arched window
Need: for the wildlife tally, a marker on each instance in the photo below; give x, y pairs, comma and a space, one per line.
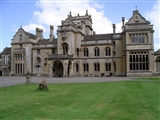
65, 48
38, 60
86, 52
108, 51
158, 59
96, 51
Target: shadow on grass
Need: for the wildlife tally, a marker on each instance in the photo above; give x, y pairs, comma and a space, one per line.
42, 89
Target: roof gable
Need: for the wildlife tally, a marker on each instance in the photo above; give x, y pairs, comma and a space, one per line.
137, 18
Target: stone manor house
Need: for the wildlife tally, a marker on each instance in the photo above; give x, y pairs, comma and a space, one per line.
79, 51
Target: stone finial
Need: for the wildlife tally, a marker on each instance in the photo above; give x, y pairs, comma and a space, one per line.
70, 13
86, 12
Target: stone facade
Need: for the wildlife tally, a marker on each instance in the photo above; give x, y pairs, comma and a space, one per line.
6, 62
157, 62
79, 51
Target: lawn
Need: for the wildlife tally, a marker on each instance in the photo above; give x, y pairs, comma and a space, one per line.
126, 100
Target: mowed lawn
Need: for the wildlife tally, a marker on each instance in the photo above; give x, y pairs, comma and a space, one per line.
126, 100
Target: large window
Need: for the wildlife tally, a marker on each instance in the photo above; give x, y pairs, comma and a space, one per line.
38, 69
96, 51
19, 63
86, 52
138, 60
108, 51
85, 67
137, 38
96, 67
108, 67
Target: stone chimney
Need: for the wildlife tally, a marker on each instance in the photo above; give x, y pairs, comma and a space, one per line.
39, 33
114, 28
94, 32
51, 33
123, 19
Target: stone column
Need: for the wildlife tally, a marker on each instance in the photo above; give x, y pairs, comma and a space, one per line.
22, 67
17, 69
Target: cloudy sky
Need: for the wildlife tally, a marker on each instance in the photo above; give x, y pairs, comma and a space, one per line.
42, 13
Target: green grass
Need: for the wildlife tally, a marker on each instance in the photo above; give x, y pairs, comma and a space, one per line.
127, 100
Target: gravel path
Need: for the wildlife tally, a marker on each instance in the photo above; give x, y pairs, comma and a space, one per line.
9, 81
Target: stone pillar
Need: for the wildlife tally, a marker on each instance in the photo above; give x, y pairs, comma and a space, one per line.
17, 68
50, 73
22, 64
28, 78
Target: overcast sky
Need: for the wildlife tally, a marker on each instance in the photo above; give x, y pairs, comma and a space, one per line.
42, 13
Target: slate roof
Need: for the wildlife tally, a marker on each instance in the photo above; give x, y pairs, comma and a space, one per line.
6, 50
98, 37
46, 41
157, 52
31, 36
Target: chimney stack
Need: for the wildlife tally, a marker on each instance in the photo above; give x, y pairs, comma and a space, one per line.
39, 33
51, 33
114, 28
123, 19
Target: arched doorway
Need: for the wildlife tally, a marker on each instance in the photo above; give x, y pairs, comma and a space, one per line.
69, 68
57, 69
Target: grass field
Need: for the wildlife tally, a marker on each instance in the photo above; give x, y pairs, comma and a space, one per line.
127, 100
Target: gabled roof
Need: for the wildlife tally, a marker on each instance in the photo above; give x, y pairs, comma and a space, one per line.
98, 37
157, 52
6, 50
31, 36
46, 41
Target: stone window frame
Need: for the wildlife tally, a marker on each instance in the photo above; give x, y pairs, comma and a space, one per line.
137, 38
96, 51
77, 67
38, 59
85, 67
86, 51
97, 67
38, 69
108, 51
108, 67
38, 51
65, 48
138, 61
